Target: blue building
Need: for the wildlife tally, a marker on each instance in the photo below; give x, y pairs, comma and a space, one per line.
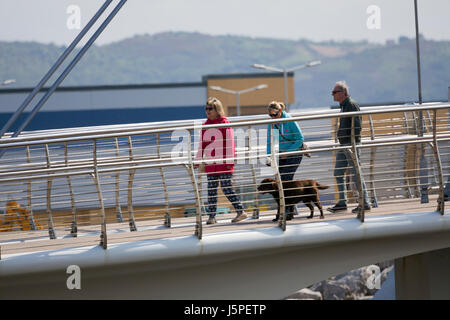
106, 105
119, 104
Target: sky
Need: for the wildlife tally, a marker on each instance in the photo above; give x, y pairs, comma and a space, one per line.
59, 21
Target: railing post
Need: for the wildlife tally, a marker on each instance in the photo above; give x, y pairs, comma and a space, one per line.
418, 151
423, 175
252, 168
29, 203
423, 170
372, 130
447, 184
410, 158
336, 128
441, 202
358, 172
406, 120
274, 164
167, 218
373, 152
195, 186
103, 235
51, 228
119, 215
429, 121
372, 164
74, 228
131, 220
406, 169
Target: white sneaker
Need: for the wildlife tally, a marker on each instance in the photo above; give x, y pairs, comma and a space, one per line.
240, 217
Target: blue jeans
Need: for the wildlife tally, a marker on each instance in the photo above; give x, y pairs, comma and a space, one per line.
344, 161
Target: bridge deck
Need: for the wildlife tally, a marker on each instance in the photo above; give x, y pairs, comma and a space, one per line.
32, 241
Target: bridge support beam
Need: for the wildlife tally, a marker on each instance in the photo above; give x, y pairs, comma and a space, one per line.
424, 276
265, 263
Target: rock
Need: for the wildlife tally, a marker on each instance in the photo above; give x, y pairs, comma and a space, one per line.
333, 290
351, 285
306, 294
356, 285
385, 273
353, 273
385, 264
337, 291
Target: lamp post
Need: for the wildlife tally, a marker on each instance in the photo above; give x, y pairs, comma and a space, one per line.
285, 72
419, 81
238, 94
423, 162
6, 82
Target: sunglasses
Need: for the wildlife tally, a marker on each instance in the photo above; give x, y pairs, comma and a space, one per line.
209, 108
336, 91
273, 115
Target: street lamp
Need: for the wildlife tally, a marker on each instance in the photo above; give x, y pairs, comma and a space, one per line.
238, 93
285, 72
6, 82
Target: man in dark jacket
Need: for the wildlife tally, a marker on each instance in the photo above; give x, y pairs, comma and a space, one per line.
343, 157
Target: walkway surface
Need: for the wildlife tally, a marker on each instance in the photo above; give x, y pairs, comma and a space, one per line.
33, 241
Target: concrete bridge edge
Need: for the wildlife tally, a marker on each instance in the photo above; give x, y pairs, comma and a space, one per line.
263, 274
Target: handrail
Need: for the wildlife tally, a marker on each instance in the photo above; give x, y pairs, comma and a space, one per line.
176, 123
147, 164
68, 137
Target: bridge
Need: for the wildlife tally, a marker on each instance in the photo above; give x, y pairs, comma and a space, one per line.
126, 206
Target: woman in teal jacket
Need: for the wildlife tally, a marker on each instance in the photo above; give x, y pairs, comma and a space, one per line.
290, 139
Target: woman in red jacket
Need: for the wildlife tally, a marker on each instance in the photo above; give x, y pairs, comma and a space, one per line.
218, 144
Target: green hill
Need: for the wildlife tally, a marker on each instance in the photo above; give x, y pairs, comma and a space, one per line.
375, 73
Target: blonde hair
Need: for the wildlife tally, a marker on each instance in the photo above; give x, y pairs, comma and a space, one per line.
276, 105
217, 105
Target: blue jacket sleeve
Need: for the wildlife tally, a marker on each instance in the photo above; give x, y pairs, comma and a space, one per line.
297, 136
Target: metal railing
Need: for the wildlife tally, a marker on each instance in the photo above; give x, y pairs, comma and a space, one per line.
69, 180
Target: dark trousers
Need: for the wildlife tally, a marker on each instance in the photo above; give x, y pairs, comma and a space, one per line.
227, 188
288, 166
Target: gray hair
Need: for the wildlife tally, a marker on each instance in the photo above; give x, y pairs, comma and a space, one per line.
342, 85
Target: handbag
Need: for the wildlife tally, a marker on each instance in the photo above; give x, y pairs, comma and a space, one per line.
305, 147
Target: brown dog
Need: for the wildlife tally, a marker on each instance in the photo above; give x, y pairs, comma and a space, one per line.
294, 192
